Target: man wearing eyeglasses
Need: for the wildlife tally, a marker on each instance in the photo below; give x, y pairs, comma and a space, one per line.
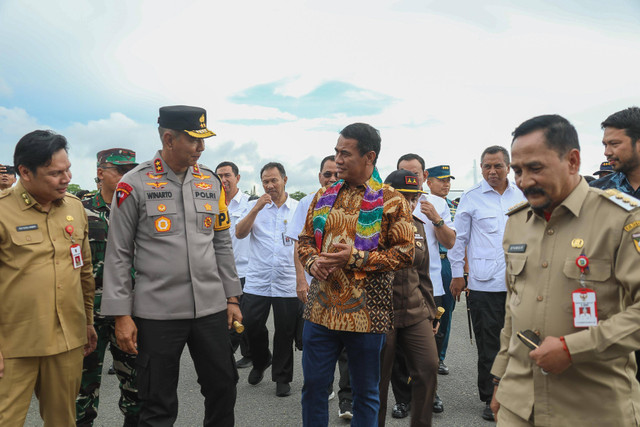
112, 165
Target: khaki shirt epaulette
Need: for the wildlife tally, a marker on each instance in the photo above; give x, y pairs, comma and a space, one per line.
621, 199
517, 208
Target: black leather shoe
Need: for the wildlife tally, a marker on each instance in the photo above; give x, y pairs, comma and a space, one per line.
245, 362
283, 389
442, 369
438, 406
401, 410
256, 375
487, 413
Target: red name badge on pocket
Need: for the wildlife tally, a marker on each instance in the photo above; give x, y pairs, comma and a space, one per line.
585, 308
76, 256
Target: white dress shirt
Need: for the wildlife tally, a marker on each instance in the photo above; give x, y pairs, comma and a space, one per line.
238, 206
435, 266
298, 221
480, 221
271, 272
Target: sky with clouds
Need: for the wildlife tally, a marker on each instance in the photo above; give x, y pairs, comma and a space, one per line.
280, 79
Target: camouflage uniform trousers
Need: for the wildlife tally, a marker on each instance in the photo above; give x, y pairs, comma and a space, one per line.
124, 365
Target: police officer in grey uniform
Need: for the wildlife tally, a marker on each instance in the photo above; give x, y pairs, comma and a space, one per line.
171, 212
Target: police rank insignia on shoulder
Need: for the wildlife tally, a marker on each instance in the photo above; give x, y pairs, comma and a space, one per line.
621, 199
123, 190
157, 165
517, 207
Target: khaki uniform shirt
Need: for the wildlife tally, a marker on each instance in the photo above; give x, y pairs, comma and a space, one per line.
45, 304
176, 235
599, 388
413, 299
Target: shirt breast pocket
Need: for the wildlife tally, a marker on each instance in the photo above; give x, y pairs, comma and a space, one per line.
487, 222
516, 276
26, 245
597, 278
162, 214
206, 215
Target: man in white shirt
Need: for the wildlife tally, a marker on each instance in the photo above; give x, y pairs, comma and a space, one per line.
480, 221
328, 175
439, 229
270, 279
237, 205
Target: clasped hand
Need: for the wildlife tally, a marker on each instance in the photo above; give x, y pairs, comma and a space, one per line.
328, 262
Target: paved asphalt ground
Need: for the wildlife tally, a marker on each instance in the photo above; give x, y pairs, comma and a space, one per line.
258, 406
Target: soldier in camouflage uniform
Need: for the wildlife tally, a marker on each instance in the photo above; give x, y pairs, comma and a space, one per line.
112, 164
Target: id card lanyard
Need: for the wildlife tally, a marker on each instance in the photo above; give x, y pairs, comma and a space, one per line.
585, 304
76, 251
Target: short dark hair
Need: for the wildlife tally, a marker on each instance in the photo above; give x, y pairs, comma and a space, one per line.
325, 160
496, 149
272, 165
559, 134
367, 136
36, 149
233, 166
627, 119
411, 156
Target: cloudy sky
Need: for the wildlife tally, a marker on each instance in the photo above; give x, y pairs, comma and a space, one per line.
280, 78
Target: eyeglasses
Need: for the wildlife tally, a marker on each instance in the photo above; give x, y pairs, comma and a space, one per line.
330, 174
122, 169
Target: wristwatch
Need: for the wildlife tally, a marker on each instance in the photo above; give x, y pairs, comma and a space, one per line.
439, 223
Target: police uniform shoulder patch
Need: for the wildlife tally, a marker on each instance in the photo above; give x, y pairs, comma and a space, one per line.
517, 207
123, 190
621, 199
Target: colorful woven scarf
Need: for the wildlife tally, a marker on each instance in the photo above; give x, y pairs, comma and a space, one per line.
369, 219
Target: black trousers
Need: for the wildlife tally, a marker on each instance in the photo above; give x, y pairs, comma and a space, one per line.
487, 316
255, 311
160, 345
240, 340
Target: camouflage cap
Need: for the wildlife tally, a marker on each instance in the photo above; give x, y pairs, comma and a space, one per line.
117, 156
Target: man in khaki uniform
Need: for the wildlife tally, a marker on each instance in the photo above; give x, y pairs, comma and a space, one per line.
46, 286
568, 244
